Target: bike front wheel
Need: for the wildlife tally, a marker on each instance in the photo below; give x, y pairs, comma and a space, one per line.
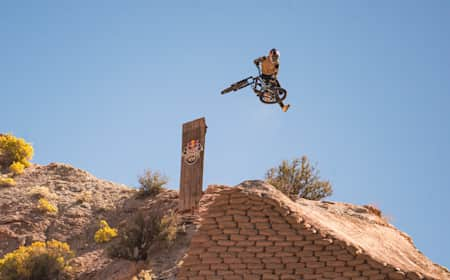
236, 86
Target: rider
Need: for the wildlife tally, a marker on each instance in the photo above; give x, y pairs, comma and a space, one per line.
269, 71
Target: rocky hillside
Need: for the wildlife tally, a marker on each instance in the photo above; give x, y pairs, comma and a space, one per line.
83, 201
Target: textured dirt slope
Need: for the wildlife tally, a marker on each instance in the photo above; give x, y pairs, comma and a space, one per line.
81, 198
358, 227
83, 201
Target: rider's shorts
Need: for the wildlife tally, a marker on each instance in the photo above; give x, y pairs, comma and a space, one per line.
270, 78
266, 77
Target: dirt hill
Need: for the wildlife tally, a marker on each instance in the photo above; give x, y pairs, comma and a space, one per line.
84, 200
253, 231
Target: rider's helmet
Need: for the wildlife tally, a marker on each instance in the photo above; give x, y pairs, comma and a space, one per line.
274, 54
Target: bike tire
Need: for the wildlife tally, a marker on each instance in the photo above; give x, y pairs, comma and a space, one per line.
282, 93
227, 90
279, 95
267, 99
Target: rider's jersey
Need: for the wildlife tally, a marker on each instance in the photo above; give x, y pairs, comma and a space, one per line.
267, 66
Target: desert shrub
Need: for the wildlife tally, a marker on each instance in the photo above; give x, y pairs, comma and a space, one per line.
145, 275
85, 196
144, 235
13, 149
105, 233
151, 183
45, 206
104, 208
17, 168
41, 260
373, 209
41, 192
168, 228
7, 182
299, 178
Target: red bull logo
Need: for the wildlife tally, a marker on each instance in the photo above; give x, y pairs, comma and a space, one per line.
191, 152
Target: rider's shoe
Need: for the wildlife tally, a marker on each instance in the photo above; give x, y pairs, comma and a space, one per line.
286, 107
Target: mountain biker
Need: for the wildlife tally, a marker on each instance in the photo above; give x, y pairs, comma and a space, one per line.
269, 71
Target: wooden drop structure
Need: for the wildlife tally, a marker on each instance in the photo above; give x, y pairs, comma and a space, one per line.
192, 158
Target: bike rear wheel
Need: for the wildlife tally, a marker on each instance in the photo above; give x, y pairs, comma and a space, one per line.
281, 92
276, 95
267, 98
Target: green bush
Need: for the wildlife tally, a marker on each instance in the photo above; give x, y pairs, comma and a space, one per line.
151, 183
143, 235
299, 179
39, 261
14, 150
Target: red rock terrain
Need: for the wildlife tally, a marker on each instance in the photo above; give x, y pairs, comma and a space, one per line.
253, 231
359, 233
83, 201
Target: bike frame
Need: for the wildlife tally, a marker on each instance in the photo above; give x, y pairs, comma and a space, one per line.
264, 87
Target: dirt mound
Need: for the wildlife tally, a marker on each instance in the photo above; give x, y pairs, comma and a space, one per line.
83, 200
360, 227
253, 231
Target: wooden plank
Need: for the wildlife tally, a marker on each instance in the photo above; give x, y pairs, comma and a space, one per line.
192, 157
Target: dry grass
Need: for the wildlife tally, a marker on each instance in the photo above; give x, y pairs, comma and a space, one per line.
84, 197
374, 209
38, 192
7, 182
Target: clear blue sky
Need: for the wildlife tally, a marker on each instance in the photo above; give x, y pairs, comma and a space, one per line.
106, 85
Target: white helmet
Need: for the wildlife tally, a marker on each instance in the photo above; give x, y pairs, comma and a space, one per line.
274, 55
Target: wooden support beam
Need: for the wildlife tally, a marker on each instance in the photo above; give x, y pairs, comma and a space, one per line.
192, 154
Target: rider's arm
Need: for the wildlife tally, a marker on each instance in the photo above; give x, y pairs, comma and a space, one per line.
259, 60
277, 67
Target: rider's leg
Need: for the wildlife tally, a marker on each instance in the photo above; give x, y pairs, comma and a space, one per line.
277, 83
267, 79
283, 107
